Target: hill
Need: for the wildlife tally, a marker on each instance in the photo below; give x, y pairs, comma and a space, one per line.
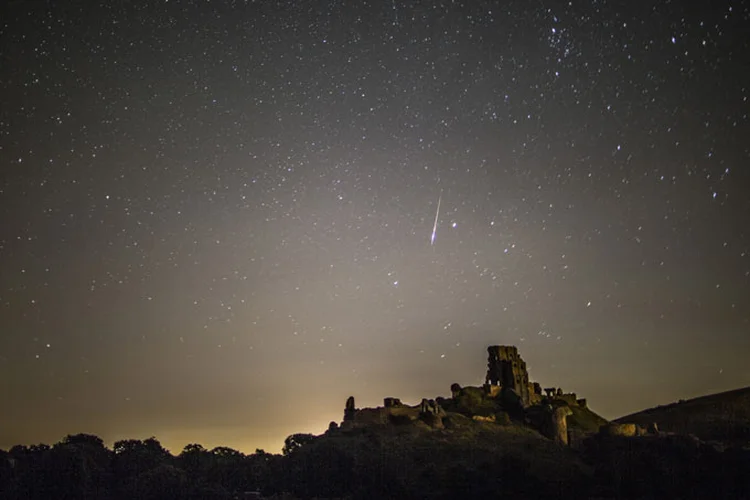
466, 459
507, 438
722, 417
510, 438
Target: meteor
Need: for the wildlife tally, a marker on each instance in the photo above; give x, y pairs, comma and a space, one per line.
434, 226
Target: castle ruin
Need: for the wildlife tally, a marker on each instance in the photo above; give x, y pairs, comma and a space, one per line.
506, 369
506, 396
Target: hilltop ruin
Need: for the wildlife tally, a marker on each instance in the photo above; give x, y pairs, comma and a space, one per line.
507, 397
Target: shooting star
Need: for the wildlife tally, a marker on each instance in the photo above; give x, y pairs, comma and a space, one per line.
434, 226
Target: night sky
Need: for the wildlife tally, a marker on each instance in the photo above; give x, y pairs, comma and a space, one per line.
216, 217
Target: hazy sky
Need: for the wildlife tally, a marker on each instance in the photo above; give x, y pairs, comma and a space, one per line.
217, 217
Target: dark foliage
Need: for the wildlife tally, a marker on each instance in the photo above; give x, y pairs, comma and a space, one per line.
469, 460
295, 442
667, 467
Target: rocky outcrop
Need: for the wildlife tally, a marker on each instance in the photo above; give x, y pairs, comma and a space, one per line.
624, 430
480, 418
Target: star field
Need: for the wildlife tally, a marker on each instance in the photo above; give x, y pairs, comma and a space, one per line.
217, 216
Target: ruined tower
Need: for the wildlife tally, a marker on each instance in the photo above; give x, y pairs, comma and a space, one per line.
506, 368
349, 410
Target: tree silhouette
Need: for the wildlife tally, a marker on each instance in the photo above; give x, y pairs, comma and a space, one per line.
79, 466
295, 442
134, 457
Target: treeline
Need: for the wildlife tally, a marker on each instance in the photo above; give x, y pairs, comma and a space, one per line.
480, 461
82, 467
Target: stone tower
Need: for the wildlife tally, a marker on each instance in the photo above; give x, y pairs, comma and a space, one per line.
506, 368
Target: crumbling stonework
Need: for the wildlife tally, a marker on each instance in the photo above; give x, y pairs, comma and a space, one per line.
535, 393
570, 398
424, 406
431, 407
365, 417
431, 413
349, 409
493, 391
391, 402
506, 368
560, 424
507, 396
393, 412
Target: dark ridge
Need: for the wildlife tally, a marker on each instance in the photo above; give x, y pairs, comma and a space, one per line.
722, 417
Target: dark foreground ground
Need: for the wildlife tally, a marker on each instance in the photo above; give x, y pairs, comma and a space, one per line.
467, 459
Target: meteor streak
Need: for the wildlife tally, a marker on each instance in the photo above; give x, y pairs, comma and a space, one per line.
434, 226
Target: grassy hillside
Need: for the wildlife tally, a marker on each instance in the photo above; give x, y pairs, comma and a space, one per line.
585, 420
467, 459
721, 417
478, 459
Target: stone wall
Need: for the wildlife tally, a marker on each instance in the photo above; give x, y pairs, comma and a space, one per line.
507, 369
363, 417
